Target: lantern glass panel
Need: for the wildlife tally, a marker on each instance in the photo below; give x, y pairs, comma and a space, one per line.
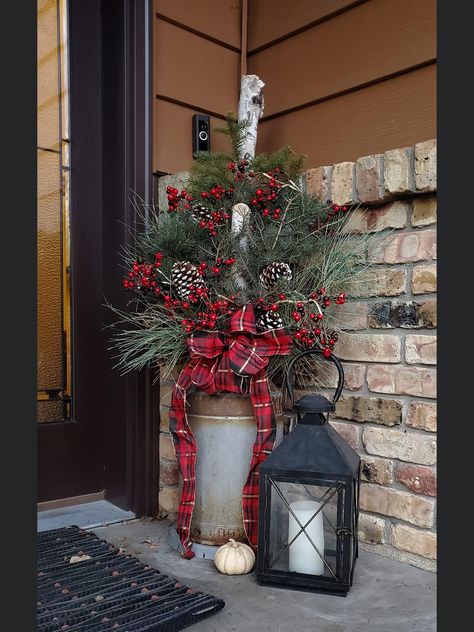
317, 508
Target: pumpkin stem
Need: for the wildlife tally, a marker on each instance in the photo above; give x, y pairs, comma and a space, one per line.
233, 542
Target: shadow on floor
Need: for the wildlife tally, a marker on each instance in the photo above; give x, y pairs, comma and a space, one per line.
387, 596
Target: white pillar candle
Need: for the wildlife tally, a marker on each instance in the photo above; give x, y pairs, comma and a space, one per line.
303, 557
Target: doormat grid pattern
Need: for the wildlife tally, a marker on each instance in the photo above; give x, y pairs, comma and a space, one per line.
103, 590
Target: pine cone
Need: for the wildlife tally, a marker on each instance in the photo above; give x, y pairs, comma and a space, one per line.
270, 275
183, 275
269, 320
200, 212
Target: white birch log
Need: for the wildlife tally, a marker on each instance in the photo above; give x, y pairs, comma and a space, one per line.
240, 215
251, 106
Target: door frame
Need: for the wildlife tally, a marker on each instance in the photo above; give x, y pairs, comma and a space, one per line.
111, 154
127, 118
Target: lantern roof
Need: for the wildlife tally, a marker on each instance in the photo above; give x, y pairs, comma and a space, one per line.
313, 447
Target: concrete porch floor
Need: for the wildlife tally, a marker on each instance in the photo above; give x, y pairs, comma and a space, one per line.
387, 596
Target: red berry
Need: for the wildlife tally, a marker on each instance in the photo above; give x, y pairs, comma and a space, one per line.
274, 307
317, 331
319, 316
298, 335
327, 353
296, 316
281, 297
312, 316
299, 305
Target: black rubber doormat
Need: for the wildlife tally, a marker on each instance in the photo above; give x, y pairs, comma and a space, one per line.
87, 585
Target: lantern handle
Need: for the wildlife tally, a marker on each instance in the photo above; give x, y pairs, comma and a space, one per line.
293, 361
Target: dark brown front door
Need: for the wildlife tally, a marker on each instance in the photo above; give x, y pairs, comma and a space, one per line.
97, 431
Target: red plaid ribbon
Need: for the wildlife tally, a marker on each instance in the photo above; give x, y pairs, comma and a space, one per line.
234, 362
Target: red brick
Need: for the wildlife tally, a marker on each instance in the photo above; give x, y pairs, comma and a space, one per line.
169, 474
166, 447
404, 247
369, 178
372, 220
395, 444
342, 184
318, 182
424, 279
417, 478
169, 499
402, 380
425, 166
354, 376
416, 541
424, 210
379, 282
375, 470
387, 412
349, 432
397, 504
420, 349
166, 390
352, 315
369, 348
164, 418
371, 529
398, 171
422, 415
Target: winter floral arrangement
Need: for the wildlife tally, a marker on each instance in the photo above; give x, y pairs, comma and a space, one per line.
241, 271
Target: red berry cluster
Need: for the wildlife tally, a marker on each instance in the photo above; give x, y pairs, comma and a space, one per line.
265, 199
270, 304
240, 168
142, 276
177, 200
336, 209
216, 193
216, 269
208, 319
310, 329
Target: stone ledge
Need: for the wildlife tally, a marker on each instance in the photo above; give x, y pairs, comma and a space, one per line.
377, 178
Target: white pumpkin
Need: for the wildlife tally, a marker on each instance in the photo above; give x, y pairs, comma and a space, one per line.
234, 558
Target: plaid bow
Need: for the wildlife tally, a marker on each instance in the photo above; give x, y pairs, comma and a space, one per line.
234, 362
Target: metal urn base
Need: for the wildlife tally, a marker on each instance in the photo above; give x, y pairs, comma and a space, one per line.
202, 551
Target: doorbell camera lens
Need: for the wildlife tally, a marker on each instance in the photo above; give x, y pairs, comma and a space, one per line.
201, 133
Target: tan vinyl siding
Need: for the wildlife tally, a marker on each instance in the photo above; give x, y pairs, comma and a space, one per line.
359, 79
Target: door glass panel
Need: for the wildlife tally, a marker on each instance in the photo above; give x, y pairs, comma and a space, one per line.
53, 307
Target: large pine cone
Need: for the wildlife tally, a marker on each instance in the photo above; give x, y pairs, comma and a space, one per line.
200, 212
183, 275
269, 320
273, 272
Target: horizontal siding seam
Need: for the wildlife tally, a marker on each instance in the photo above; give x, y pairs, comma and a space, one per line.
361, 86
205, 36
189, 106
306, 27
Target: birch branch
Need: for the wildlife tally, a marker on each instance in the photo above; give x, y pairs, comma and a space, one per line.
240, 216
251, 106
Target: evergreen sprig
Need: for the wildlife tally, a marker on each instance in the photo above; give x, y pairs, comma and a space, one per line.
311, 237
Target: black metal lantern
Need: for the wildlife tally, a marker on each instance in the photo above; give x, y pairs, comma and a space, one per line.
309, 500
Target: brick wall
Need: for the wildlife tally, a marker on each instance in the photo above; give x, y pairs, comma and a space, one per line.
388, 408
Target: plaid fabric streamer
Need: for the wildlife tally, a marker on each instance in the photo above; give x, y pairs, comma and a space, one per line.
234, 362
